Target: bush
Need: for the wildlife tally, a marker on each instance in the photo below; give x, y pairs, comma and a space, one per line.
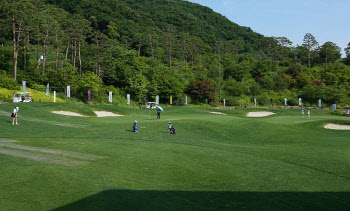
181, 100
37, 87
232, 101
7, 82
337, 113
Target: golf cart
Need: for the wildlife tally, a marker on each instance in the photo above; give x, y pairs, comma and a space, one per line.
151, 105
21, 97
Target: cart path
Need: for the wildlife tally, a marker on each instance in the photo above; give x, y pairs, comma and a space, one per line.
7, 143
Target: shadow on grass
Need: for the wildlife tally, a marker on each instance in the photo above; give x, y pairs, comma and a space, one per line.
206, 200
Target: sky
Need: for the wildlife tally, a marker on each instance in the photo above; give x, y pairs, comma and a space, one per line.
326, 20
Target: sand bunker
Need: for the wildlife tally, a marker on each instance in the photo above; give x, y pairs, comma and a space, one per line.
217, 113
337, 127
98, 113
68, 113
259, 114
106, 114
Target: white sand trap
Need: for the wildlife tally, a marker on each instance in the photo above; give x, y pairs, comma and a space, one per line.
68, 113
259, 114
337, 127
106, 114
217, 113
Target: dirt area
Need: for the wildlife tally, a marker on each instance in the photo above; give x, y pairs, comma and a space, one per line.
68, 113
98, 113
217, 113
337, 127
259, 114
106, 114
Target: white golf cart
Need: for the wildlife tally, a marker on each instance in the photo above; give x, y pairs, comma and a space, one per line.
151, 105
21, 97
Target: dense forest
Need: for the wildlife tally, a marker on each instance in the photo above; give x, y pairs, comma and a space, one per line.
162, 47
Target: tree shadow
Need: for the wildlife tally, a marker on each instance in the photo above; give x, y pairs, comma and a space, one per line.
210, 200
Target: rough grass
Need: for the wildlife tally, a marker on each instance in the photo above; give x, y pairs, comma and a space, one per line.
37, 96
282, 162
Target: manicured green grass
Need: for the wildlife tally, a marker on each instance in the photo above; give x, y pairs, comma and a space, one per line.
280, 162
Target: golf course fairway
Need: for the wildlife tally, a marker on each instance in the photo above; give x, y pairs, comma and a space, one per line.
213, 162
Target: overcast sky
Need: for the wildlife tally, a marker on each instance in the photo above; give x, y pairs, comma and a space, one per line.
326, 20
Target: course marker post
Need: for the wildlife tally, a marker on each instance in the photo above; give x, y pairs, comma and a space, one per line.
110, 97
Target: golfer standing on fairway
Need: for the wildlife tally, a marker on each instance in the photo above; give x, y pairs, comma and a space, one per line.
158, 113
14, 115
302, 111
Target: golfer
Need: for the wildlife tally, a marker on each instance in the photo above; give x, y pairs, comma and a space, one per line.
169, 127
302, 111
308, 111
158, 113
14, 115
135, 127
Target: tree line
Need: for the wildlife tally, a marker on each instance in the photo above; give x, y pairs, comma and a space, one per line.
124, 47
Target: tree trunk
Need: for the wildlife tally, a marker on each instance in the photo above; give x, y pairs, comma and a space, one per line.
38, 49
151, 45
14, 48
184, 56
67, 50
96, 71
57, 51
140, 43
24, 55
72, 52
45, 50
169, 50
75, 52
80, 63
192, 56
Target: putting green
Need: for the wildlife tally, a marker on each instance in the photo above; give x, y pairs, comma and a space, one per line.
282, 161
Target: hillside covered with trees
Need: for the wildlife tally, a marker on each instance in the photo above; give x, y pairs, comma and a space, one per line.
161, 47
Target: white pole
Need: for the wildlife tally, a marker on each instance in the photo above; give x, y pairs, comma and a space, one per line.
54, 96
224, 103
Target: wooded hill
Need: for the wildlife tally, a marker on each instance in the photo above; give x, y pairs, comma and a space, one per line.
161, 47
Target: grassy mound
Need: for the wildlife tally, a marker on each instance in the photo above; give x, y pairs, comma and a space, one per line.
37, 96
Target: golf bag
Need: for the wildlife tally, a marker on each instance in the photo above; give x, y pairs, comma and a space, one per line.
172, 130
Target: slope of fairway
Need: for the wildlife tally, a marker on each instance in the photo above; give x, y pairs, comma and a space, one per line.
283, 161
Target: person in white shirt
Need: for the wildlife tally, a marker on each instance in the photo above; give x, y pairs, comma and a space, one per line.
14, 115
169, 127
302, 111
